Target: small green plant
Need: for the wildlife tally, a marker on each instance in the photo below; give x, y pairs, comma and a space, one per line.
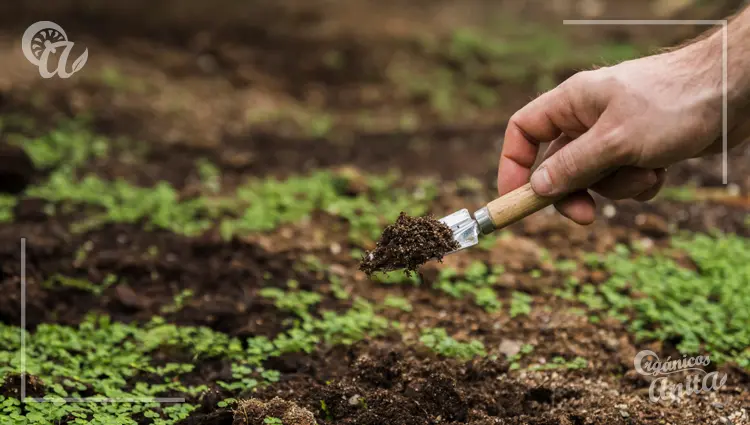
520, 304
7, 205
438, 340
71, 144
270, 420
326, 410
227, 402
78, 283
476, 281
515, 359
297, 302
399, 303
312, 263
178, 303
210, 175
352, 326
397, 277
337, 288
297, 340
561, 363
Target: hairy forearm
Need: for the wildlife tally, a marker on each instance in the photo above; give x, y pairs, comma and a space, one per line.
737, 40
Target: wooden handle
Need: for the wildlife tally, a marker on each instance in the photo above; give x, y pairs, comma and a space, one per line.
516, 205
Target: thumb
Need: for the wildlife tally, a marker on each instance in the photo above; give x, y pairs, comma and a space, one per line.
582, 162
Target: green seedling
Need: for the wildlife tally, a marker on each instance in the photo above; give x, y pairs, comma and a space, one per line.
476, 282
337, 288
520, 304
397, 277
270, 420
515, 359
81, 284
70, 145
210, 176
558, 363
7, 205
326, 410
296, 302
313, 263
352, 326
399, 303
178, 303
438, 340
227, 402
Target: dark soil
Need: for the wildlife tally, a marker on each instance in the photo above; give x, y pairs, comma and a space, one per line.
387, 385
254, 412
16, 169
11, 386
225, 277
409, 243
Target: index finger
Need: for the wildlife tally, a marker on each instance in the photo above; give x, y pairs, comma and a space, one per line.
536, 123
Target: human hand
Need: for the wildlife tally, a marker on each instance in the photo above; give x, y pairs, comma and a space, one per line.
615, 130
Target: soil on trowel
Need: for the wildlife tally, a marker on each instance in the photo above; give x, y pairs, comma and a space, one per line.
409, 243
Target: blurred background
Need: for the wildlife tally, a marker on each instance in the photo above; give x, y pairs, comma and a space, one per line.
423, 85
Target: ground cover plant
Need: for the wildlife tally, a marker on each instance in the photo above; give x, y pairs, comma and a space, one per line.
196, 206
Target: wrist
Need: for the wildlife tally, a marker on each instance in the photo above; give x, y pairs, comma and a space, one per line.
733, 67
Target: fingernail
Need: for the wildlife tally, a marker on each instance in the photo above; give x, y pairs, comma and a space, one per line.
540, 182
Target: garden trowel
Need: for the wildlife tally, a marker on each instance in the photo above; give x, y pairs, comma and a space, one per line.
497, 214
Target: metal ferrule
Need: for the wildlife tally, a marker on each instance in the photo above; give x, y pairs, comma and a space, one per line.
482, 216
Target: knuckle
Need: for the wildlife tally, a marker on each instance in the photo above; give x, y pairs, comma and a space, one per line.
611, 81
515, 119
619, 146
591, 78
577, 80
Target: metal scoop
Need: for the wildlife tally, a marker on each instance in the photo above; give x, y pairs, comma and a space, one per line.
497, 214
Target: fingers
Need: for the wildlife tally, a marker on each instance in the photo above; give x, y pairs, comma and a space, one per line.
579, 207
647, 195
626, 183
629, 182
541, 121
584, 161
